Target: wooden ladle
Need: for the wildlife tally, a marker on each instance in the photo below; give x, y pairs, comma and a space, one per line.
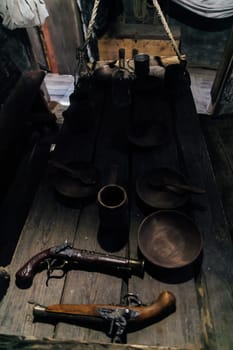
77, 174
175, 187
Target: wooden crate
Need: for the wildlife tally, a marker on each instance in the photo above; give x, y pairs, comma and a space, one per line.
146, 38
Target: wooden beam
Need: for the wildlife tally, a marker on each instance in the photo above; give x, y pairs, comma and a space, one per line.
48, 47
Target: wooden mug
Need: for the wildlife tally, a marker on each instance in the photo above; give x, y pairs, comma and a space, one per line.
114, 216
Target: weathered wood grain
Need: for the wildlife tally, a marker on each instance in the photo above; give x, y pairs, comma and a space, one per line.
13, 342
219, 140
90, 287
203, 317
48, 224
108, 47
217, 315
182, 327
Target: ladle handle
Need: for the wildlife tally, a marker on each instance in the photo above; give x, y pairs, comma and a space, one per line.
175, 187
74, 173
189, 188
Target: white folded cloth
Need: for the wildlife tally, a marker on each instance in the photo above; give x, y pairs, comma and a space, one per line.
208, 8
22, 13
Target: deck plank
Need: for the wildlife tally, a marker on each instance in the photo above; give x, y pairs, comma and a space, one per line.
218, 138
177, 328
89, 287
204, 315
39, 233
217, 315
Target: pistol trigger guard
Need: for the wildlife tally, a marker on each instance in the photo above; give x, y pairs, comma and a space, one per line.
51, 267
54, 265
132, 299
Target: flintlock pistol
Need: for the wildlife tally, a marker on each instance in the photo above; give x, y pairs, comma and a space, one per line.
117, 318
65, 256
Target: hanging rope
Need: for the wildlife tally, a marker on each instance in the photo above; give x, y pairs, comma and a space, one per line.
91, 24
168, 30
81, 61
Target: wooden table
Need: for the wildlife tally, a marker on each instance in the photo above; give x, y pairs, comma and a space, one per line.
204, 316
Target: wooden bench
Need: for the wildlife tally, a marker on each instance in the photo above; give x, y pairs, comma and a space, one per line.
203, 318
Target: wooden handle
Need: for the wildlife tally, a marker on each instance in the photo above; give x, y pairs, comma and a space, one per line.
24, 276
189, 188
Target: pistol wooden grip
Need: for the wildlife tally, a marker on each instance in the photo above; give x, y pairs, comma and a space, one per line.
165, 302
24, 276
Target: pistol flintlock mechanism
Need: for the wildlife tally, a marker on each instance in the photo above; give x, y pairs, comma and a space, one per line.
118, 318
65, 256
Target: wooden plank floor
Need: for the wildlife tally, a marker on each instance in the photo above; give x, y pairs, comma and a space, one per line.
204, 314
219, 139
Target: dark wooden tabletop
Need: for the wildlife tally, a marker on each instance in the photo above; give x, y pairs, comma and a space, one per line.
101, 136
